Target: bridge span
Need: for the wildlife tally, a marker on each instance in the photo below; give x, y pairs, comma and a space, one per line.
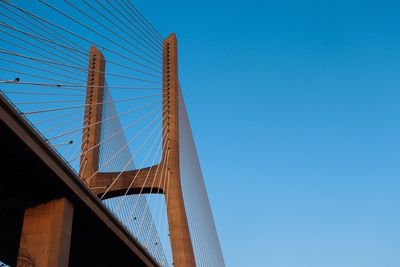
33, 174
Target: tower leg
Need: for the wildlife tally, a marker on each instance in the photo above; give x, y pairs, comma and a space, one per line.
93, 114
182, 249
46, 235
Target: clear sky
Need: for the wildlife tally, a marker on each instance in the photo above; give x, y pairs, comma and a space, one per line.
295, 109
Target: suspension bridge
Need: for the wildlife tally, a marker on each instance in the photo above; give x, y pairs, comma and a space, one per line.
99, 165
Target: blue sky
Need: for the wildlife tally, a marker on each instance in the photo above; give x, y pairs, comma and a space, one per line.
295, 109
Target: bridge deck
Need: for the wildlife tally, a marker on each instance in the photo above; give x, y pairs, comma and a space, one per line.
32, 173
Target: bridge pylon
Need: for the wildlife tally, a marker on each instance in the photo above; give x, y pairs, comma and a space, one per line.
147, 180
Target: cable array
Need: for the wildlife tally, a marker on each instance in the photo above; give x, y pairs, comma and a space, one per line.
116, 156
203, 233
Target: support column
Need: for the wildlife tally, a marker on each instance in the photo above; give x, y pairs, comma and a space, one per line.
93, 115
182, 250
46, 235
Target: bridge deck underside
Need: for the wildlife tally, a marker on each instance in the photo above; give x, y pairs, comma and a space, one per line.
25, 181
